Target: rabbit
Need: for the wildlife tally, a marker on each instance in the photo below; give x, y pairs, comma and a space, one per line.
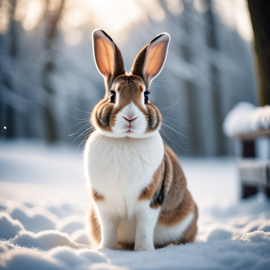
139, 193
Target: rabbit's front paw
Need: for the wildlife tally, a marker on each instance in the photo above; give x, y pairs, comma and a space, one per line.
100, 248
144, 248
108, 245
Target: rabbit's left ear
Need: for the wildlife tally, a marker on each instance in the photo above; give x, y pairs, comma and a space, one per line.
150, 60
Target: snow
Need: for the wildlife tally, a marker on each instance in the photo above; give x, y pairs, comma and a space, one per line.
9, 227
43, 220
44, 240
245, 117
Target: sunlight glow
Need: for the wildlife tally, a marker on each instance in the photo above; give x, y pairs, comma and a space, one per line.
73, 38
175, 6
116, 15
75, 17
156, 12
20, 10
234, 13
97, 4
200, 5
33, 14
53, 5
4, 17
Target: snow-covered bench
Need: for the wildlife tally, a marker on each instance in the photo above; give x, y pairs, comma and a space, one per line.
250, 126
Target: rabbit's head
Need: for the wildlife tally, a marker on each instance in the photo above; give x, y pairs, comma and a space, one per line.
126, 110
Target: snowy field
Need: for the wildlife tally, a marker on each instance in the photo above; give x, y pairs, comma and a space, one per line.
44, 204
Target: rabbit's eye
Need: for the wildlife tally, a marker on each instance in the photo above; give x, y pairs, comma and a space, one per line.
112, 97
146, 98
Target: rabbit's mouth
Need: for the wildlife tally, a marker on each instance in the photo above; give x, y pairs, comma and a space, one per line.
130, 123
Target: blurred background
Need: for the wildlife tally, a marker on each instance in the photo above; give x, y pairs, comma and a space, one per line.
49, 83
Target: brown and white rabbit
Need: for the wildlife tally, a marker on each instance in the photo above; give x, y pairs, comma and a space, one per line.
139, 193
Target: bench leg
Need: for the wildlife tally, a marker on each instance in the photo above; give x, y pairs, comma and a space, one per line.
267, 191
248, 191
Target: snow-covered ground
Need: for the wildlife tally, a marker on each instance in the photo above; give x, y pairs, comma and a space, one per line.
43, 216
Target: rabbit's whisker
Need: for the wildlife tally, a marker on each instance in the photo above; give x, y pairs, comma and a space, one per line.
173, 140
177, 133
79, 118
159, 84
78, 130
177, 121
181, 139
174, 130
86, 133
81, 110
167, 138
79, 123
170, 106
78, 137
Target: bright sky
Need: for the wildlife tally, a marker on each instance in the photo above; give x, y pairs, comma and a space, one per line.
116, 16
235, 14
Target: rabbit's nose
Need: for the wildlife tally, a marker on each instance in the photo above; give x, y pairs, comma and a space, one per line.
130, 120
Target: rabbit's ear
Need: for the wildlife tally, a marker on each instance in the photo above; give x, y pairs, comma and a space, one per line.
107, 56
150, 60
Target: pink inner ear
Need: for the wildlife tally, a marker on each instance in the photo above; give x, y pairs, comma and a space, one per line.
104, 54
155, 59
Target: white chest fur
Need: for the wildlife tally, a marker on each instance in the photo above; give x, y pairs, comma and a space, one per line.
120, 168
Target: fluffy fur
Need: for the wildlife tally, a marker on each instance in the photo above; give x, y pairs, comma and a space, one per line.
140, 199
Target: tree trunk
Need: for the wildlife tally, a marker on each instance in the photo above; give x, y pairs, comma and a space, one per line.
48, 69
260, 18
215, 85
8, 118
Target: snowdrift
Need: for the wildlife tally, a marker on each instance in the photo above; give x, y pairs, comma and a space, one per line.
236, 237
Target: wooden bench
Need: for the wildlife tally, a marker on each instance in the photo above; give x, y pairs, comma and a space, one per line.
254, 172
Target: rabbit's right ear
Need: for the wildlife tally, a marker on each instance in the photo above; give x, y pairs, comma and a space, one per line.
151, 59
108, 58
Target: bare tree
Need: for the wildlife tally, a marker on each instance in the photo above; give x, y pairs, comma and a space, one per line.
215, 88
11, 37
260, 18
50, 36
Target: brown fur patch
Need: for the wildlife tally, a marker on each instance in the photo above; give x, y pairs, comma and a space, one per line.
176, 187
171, 218
138, 64
125, 246
96, 196
168, 173
95, 120
94, 225
132, 76
190, 234
154, 118
165, 179
148, 192
178, 200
